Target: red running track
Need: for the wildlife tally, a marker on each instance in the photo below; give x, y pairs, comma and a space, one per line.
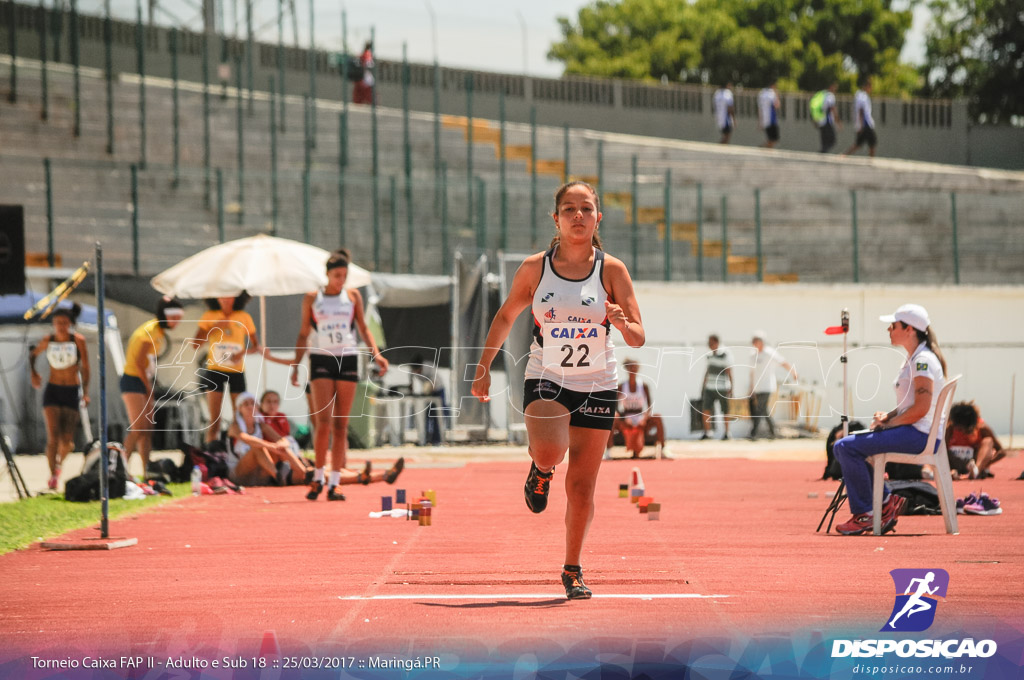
215, 573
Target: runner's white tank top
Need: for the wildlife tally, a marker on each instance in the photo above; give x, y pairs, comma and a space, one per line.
634, 401
333, 316
62, 355
572, 342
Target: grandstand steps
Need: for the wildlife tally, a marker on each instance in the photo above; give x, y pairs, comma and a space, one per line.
805, 199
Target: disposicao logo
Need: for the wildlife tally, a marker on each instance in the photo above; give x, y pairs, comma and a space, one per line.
917, 593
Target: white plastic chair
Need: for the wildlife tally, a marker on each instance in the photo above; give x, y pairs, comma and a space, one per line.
929, 456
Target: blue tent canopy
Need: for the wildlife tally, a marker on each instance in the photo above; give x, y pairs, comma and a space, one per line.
13, 308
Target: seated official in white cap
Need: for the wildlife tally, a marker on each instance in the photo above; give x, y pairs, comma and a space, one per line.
903, 429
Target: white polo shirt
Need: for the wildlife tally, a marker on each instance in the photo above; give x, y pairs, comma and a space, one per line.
763, 378
862, 105
924, 363
828, 106
721, 103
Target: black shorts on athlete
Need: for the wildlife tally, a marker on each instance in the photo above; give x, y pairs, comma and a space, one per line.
594, 410
61, 395
211, 380
331, 367
772, 132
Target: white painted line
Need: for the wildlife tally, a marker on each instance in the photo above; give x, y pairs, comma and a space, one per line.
537, 596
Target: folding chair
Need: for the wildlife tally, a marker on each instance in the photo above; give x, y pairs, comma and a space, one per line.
929, 456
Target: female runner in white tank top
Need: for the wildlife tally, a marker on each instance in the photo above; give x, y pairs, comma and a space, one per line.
66, 353
577, 293
331, 316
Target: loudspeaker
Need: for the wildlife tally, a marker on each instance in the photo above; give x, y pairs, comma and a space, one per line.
12, 250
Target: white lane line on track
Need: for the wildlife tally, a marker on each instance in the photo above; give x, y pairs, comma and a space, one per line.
537, 596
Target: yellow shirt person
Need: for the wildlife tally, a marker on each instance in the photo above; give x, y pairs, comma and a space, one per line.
229, 336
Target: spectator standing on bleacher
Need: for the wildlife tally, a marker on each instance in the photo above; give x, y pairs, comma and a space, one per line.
763, 383
717, 386
863, 120
825, 116
768, 107
363, 90
138, 382
722, 106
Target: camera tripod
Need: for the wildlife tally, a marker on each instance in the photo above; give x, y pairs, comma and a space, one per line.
12, 468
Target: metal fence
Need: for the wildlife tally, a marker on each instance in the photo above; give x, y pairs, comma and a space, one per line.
166, 166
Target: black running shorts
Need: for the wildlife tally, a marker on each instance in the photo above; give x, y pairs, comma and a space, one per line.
61, 395
330, 367
594, 410
213, 381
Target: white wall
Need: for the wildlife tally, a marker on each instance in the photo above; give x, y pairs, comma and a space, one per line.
979, 328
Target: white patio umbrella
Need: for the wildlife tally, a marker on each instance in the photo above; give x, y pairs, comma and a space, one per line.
260, 265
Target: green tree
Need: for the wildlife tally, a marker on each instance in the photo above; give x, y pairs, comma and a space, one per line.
804, 43
975, 50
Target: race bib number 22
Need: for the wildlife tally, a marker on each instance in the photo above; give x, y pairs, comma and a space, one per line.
574, 348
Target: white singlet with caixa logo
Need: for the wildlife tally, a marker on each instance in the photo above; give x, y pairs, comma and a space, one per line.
572, 342
332, 320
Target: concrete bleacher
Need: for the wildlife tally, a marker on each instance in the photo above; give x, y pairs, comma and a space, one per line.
904, 216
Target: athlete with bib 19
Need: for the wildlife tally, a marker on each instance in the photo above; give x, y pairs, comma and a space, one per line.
577, 294
330, 318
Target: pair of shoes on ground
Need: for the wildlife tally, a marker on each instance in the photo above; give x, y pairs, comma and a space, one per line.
861, 523
316, 487
980, 504
390, 476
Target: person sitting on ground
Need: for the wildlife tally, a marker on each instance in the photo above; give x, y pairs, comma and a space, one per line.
634, 419
970, 443
270, 404
260, 456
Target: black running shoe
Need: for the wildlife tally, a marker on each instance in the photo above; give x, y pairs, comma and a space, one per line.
392, 474
537, 485
575, 588
364, 476
333, 495
314, 490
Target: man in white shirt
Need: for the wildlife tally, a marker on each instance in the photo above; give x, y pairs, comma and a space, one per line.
763, 382
768, 107
864, 122
725, 115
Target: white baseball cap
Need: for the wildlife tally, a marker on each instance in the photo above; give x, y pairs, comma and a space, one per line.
244, 397
912, 315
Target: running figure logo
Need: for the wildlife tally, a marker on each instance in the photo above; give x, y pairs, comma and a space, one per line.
914, 609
